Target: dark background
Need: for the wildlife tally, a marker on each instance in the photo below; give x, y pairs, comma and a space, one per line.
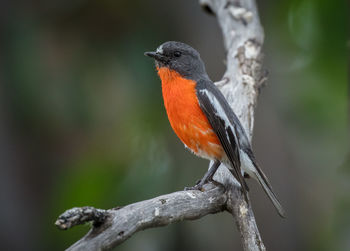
82, 121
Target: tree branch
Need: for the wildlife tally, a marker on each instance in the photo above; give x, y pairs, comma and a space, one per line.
121, 223
243, 38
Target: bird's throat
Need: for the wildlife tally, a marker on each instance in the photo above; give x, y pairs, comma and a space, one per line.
167, 75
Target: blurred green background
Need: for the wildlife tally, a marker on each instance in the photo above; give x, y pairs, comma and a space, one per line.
82, 121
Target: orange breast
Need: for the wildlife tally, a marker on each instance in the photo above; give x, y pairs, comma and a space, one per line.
186, 117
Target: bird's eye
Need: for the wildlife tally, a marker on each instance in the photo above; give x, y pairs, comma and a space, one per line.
177, 54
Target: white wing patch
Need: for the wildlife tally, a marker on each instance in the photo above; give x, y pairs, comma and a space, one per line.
220, 112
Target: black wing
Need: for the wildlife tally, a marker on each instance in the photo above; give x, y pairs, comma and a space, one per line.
219, 115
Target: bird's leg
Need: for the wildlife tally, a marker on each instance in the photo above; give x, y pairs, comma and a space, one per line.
208, 176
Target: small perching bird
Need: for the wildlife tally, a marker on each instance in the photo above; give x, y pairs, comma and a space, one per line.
203, 120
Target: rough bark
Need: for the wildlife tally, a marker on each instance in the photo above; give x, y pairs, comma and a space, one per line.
243, 38
121, 223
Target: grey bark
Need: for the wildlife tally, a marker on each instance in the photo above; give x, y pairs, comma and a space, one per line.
121, 223
243, 38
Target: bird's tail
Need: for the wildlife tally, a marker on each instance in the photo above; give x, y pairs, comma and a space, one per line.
265, 184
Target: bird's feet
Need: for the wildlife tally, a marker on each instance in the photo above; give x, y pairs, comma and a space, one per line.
199, 185
208, 176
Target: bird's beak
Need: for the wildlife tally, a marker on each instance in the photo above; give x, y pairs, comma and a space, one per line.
156, 56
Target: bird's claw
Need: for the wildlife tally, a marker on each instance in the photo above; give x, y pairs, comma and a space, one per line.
198, 186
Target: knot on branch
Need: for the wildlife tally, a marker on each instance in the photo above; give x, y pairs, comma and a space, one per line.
249, 57
238, 12
241, 14
80, 215
205, 4
250, 63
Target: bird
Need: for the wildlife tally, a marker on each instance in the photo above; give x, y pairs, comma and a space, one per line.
203, 120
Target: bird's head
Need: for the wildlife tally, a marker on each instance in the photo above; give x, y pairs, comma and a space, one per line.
181, 58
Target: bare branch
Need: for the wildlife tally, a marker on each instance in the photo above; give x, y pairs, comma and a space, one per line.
121, 223
243, 38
